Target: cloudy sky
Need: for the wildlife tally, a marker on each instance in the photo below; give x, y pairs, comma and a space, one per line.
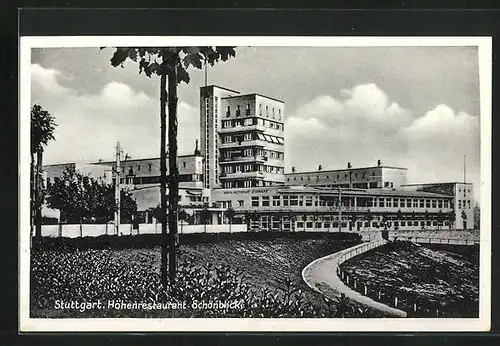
415, 107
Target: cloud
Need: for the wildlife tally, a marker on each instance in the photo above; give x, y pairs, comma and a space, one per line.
363, 124
89, 125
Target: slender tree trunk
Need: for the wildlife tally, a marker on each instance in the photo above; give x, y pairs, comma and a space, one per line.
38, 196
173, 188
163, 179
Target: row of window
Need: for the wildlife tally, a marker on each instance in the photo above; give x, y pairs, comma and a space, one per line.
216, 122
382, 202
207, 146
385, 202
333, 176
372, 224
285, 223
252, 121
130, 171
250, 136
464, 204
156, 179
249, 152
250, 167
246, 183
275, 113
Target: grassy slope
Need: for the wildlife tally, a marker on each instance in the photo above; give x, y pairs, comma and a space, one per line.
436, 275
266, 262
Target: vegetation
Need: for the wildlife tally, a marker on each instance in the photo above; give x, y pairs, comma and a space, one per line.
262, 278
435, 281
83, 199
42, 131
170, 63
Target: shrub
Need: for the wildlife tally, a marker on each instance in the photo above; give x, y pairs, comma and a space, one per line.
90, 275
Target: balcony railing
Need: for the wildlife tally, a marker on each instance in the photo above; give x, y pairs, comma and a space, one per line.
243, 158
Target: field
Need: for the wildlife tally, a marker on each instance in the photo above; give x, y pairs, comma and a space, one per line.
272, 269
443, 281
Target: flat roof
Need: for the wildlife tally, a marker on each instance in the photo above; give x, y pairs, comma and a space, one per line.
363, 192
334, 191
439, 183
253, 94
345, 169
107, 162
220, 87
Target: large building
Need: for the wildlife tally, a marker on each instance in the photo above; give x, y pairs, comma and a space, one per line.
375, 177
296, 208
242, 138
241, 166
463, 199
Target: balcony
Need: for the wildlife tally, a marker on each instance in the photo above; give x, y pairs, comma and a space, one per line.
255, 175
252, 143
239, 158
253, 127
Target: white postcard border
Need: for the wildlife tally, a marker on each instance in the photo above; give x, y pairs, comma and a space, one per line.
27, 324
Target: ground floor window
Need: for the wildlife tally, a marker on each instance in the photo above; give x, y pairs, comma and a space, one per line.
300, 224
276, 223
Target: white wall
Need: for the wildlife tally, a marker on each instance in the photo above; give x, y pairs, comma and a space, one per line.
73, 231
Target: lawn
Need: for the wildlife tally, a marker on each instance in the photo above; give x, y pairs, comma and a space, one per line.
89, 275
442, 280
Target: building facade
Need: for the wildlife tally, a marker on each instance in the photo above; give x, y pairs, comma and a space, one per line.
147, 171
295, 208
242, 139
376, 177
463, 199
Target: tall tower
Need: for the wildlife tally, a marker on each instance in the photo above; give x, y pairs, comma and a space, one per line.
210, 123
252, 148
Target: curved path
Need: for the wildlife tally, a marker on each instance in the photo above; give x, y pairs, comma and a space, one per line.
321, 276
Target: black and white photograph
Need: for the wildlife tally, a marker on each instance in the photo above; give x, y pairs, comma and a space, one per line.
255, 183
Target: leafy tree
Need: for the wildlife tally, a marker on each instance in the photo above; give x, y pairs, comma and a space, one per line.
82, 199
42, 131
451, 218
399, 217
464, 219
170, 63
230, 216
354, 218
369, 218
205, 216
440, 218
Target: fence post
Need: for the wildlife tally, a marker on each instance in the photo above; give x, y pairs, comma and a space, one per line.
347, 279
379, 295
396, 301
354, 283
414, 307
366, 290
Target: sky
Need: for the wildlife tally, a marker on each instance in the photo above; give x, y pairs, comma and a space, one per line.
413, 107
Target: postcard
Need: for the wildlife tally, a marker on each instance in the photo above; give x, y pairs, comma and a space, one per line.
255, 184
